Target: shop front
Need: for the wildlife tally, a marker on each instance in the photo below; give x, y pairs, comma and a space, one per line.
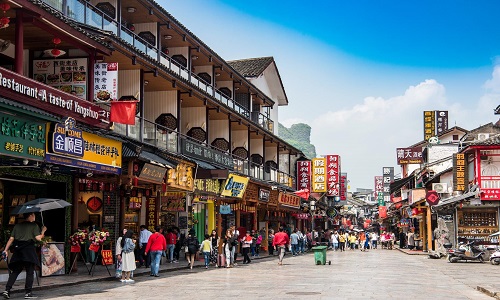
289, 204
206, 203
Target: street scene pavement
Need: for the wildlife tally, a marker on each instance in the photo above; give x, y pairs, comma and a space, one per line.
374, 274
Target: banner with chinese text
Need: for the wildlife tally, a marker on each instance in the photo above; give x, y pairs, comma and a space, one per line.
304, 174
409, 155
318, 183
460, 182
429, 124
333, 174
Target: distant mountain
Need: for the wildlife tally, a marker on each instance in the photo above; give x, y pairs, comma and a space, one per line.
299, 136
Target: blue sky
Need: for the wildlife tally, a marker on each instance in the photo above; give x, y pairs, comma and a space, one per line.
360, 73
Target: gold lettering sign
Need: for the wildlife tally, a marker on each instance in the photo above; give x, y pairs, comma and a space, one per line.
152, 173
181, 177
289, 200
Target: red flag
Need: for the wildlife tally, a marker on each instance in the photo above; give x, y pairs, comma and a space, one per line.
304, 193
123, 112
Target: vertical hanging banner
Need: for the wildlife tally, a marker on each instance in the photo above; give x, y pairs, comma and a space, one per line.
333, 175
441, 122
460, 182
343, 186
388, 177
429, 124
304, 175
318, 175
151, 214
106, 81
379, 186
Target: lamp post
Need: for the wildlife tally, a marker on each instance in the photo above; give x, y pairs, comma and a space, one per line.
312, 207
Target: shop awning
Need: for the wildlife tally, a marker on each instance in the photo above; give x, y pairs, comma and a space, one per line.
398, 184
204, 165
155, 159
471, 193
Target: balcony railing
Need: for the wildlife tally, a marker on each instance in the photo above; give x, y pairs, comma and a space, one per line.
263, 121
88, 14
165, 139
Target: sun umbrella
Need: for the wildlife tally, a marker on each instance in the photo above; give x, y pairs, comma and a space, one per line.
39, 205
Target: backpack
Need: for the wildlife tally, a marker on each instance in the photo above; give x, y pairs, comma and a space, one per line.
192, 244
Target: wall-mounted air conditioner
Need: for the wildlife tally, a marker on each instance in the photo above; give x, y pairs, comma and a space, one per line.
440, 187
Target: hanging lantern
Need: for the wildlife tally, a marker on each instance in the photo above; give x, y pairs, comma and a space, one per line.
4, 21
4, 6
56, 41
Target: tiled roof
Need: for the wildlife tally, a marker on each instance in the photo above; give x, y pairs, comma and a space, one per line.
492, 141
251, 67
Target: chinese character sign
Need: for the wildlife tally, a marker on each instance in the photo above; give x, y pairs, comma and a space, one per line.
106, 81
379, 185
459, 172
151, 214
409, 155
304, 174
318, 183
387, 177
441, 122
66, 74
343, 186
333, 174
429, 124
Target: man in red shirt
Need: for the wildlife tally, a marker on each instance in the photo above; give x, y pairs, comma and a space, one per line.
171, 241
156, 245
280, 241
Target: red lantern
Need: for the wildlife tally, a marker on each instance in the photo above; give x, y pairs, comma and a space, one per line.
4, 21
4, 6
56, 41
55, 52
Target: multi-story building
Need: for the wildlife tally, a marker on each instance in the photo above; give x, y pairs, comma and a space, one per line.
199, 151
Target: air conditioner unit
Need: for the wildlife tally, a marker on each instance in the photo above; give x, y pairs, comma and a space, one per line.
482, 136
440, 187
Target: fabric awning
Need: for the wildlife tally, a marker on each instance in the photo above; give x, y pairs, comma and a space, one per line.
398, 184
204, 165
155, 159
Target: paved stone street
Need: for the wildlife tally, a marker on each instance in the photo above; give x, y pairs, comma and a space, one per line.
375, 274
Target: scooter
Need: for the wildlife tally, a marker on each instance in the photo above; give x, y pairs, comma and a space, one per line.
460, 254
495, 257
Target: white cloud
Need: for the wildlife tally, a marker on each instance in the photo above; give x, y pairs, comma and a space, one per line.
367, 135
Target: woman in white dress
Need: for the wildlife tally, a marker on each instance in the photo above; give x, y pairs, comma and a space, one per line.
128, 257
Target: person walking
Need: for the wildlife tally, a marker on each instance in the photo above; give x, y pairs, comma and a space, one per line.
192, 245
254, 242
294, 240
144, 234
128, 256
228, 248
280, 241
362, 240
334, 240
258, 242
171, 241
155, 247
22, 244
234, 243
374, 239
270, 241
118, 253
246, 242
352, 241
214, 240
301, 242
341, 242
206, 248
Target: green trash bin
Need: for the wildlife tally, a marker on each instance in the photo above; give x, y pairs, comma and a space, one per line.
320, 255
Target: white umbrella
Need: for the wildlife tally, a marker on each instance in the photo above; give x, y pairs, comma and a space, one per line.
495, 234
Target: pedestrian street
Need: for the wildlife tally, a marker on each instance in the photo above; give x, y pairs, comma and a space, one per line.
374, 274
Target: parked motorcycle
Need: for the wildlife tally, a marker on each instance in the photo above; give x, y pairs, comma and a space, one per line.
495, 257
466, 252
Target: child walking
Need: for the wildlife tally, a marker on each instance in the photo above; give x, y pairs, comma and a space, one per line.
206, 248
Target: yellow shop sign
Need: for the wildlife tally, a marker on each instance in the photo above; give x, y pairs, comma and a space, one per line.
235, 186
